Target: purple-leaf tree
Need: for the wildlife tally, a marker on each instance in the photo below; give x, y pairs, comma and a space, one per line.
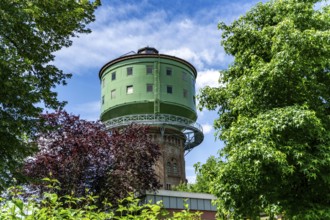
133, 166
83, 155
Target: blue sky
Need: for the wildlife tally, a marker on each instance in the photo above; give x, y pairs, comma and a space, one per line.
186, 29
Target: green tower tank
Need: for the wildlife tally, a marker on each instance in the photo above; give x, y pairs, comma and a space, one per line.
157, 90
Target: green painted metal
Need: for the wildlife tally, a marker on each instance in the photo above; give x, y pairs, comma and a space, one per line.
192, 130
146, 108
157, 88
114, 91
158, 99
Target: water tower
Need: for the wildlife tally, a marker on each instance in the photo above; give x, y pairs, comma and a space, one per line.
157, 90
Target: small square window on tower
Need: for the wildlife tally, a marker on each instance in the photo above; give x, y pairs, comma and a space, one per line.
113, 76
149, 69
184, 76
169, 71
150, 87
129, 71
113, 94
185, 93
129, 89
169, 89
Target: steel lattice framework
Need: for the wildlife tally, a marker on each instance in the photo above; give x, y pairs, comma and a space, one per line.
192, 130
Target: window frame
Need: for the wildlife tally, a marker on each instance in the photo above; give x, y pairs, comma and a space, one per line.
168, 168
129, 71
184, 76
129, 89
150, 85
149, 67
168, 71
185, 93
113, 94
169, 89
175, 168
113, 76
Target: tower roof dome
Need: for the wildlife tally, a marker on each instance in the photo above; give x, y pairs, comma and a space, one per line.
148, 50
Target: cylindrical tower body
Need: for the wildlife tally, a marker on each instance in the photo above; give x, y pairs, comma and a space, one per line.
158, 90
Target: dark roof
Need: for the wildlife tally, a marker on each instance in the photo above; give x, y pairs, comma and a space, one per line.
147, 50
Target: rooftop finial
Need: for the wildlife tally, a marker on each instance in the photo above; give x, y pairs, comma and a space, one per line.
147, 50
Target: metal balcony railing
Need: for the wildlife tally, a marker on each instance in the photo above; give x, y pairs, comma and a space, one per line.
192, 130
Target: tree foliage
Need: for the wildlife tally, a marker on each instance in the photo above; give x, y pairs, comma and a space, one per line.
274, 112
30, 32
53, 206
83, 155
205, 173
133, 170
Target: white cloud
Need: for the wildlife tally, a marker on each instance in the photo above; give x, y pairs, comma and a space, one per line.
207, 78
322, 4
183, 37
186, 54
121, 27
88, 111
107, 13
186, 23
207, 128
191, 179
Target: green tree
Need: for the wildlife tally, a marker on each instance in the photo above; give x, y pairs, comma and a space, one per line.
274, 112
30, 32
53, 206
205, 173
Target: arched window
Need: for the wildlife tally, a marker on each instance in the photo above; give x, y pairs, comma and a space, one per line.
168, 168
175, 169
172, 167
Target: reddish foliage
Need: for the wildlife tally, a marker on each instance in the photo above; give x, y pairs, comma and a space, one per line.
134, 158
82, 154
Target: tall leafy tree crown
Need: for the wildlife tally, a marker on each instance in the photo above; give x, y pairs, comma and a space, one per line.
30, 32
274, 112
